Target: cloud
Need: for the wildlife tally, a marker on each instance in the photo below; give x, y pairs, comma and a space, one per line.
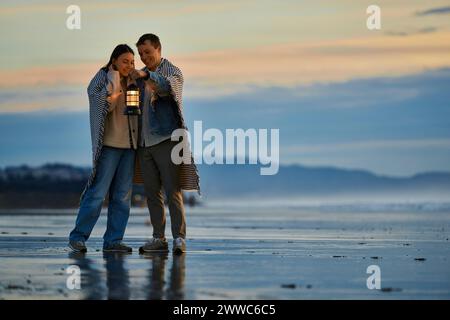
298, 63
218, 73
54, 99
292, 64
298, 67
65, 74
178, 9
55, 7
433, 11
405, 33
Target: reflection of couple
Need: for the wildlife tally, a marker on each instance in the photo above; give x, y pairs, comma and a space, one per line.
129, 149
175, 288
118, 280
118, 283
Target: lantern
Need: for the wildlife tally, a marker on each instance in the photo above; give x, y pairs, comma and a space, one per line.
132, 102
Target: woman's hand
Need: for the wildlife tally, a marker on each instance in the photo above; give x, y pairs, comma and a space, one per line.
112, 68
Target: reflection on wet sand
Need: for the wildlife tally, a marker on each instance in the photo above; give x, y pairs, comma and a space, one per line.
175, 291
118, 279
156, 284
91, 278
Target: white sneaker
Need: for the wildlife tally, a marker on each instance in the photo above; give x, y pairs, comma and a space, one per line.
179, 245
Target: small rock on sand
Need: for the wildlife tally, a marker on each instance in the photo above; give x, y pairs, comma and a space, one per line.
16, 287
420, 259
391, 289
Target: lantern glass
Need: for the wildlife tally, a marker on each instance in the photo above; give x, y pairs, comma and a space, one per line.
132, 100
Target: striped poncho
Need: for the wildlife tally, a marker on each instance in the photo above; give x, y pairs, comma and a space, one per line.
98, 110
189, 178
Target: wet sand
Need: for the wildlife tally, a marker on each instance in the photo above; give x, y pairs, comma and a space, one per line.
235, 253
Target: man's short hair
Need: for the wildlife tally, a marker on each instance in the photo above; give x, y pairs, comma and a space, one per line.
154, 40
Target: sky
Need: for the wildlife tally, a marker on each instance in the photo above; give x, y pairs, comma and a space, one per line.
340, 94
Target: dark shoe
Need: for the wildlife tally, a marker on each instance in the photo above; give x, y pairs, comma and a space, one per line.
118, 247
155, 245
179, 246
77, 246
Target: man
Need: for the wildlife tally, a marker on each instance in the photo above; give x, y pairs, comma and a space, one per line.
161, 87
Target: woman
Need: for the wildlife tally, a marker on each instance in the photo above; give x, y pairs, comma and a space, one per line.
114, 141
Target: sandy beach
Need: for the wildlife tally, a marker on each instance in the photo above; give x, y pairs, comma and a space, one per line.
239, 252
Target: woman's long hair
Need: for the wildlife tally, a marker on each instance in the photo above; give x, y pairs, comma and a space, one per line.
118, 50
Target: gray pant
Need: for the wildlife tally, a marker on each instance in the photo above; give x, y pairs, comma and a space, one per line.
158, 171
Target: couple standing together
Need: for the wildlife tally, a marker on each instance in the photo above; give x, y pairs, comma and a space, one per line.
138, 149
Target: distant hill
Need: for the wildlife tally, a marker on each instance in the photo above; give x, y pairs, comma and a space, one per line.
294, 180
60, 185
48, 186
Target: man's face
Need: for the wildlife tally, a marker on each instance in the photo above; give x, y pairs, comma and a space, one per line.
150, 56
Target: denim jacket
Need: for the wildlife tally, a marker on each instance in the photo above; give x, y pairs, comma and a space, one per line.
161, 116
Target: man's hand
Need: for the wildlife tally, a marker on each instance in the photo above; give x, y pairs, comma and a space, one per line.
152, 86
136, 74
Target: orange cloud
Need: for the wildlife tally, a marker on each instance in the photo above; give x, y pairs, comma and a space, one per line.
222, 72
325, 61
51, 75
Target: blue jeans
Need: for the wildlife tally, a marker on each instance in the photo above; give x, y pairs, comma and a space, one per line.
115, 170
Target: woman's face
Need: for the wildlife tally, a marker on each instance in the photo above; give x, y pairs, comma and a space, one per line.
124, 63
